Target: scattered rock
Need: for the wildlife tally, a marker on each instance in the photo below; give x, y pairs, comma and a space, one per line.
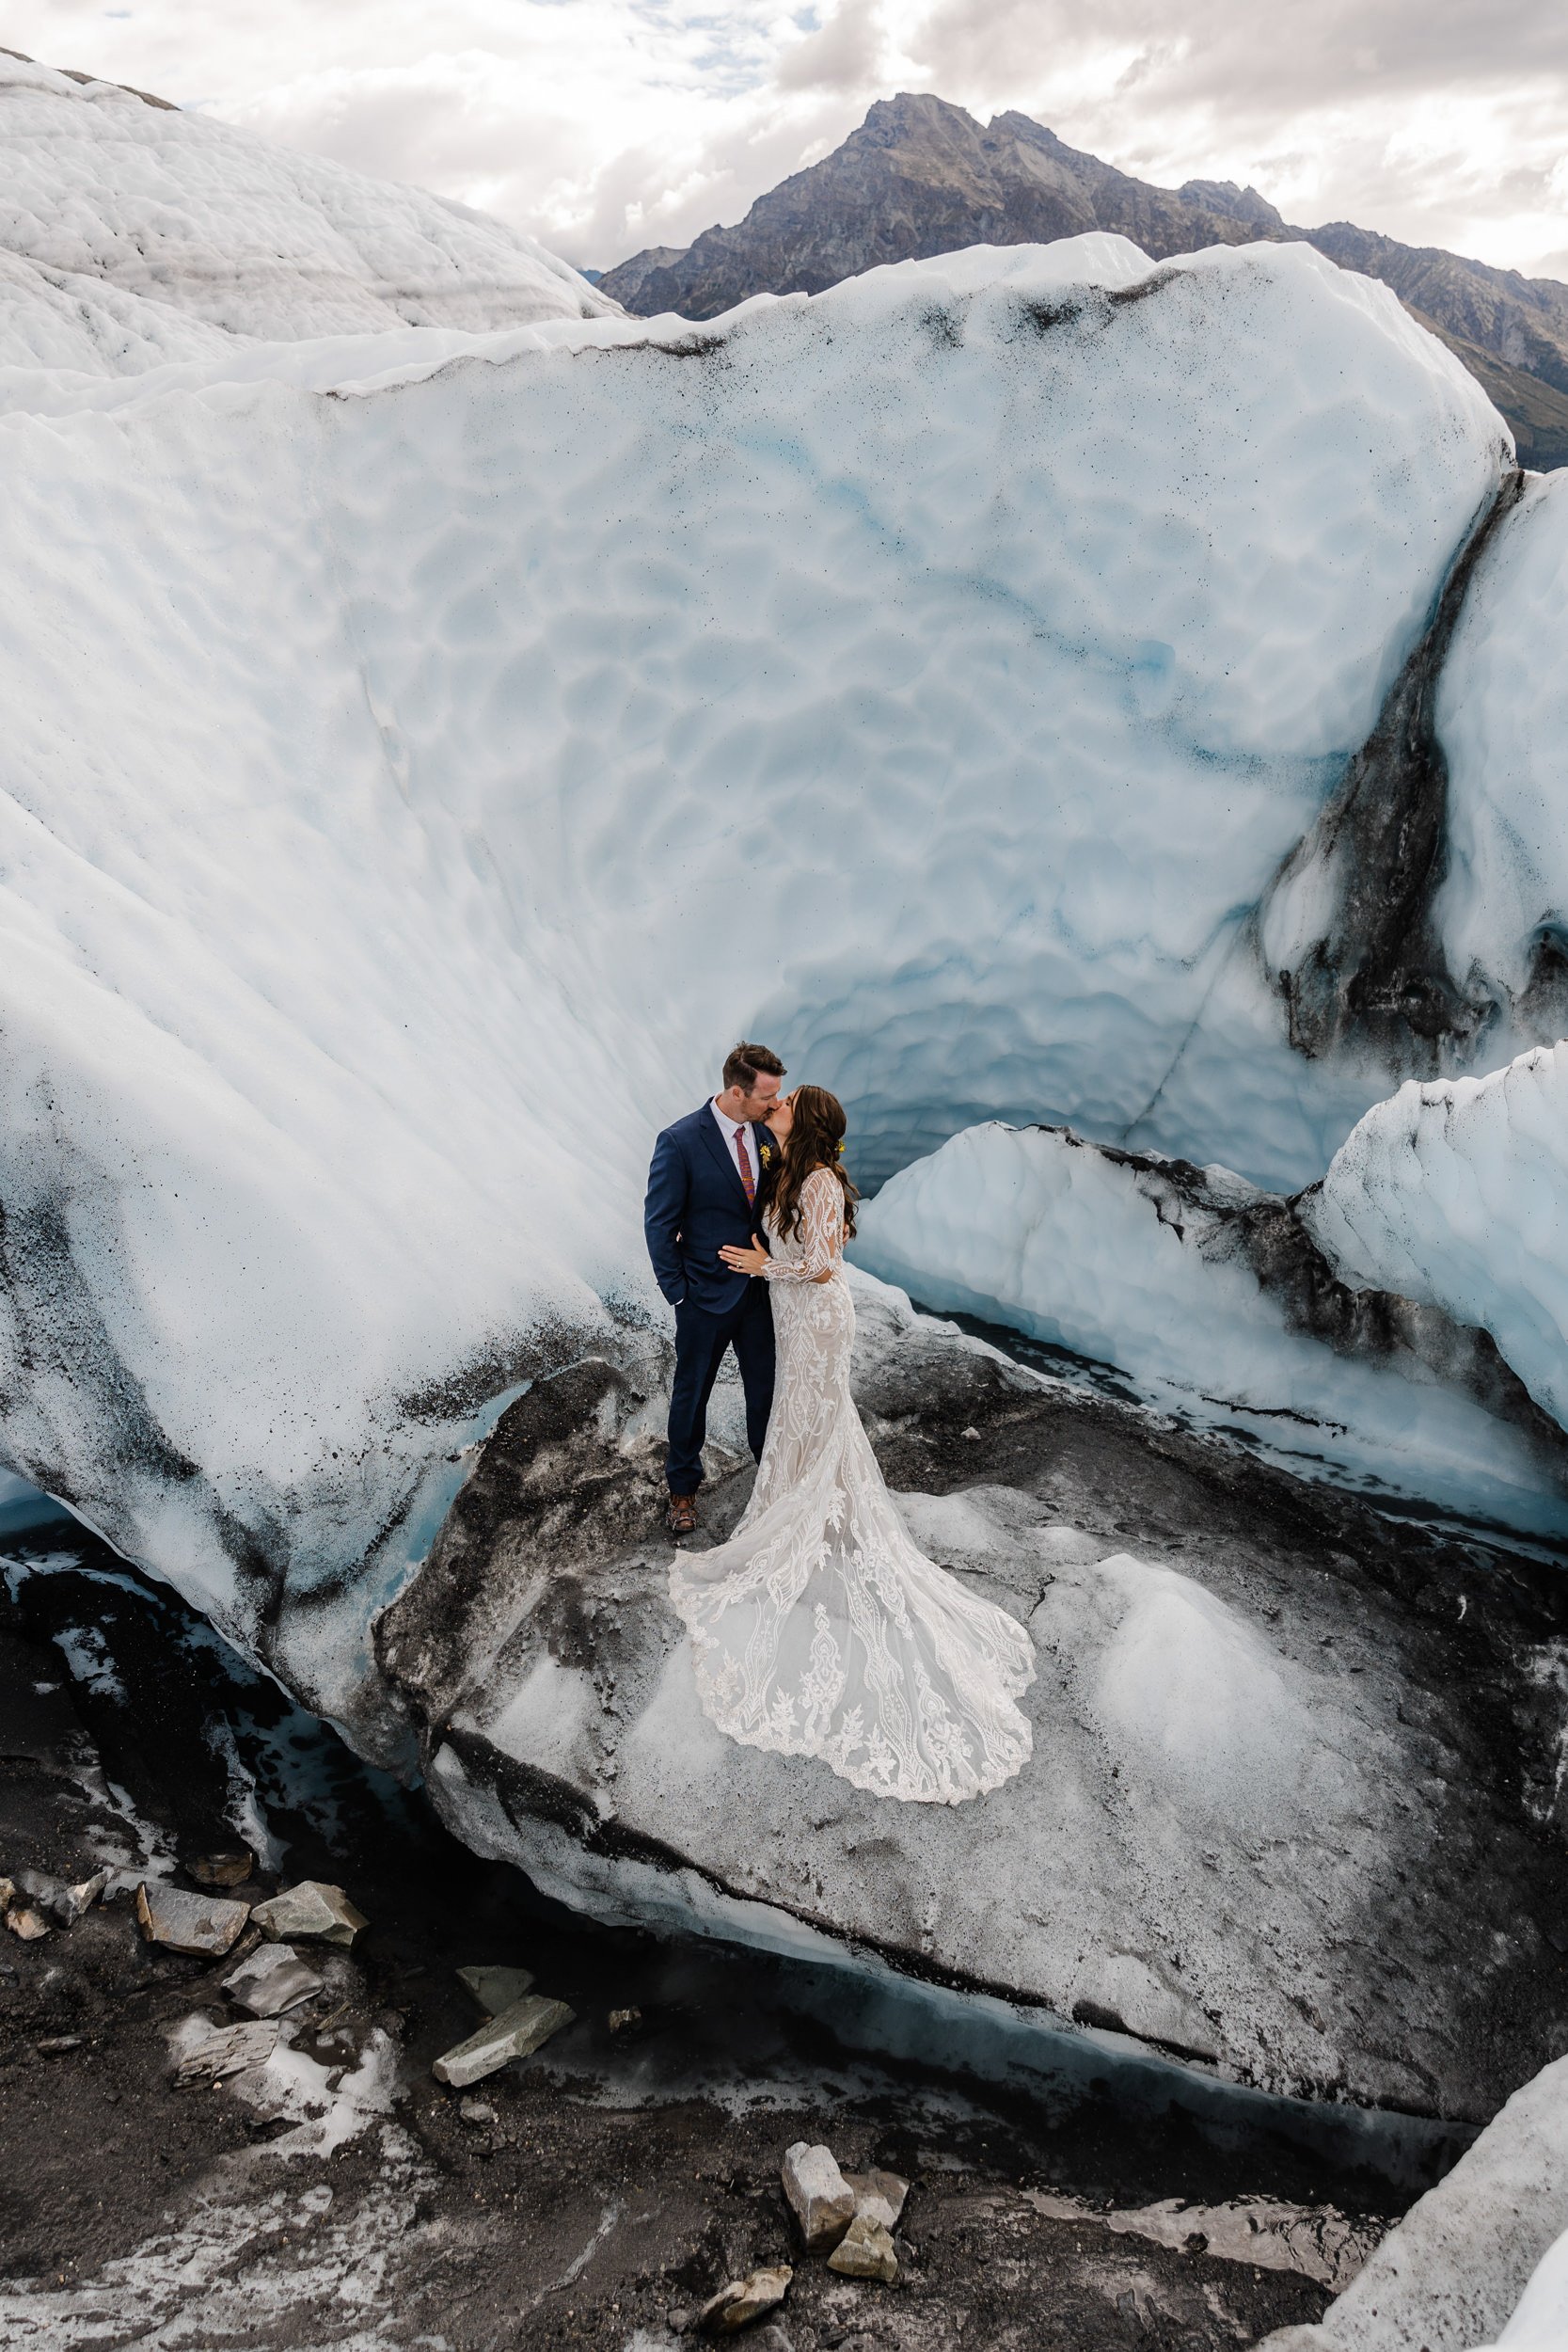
513, 2034
476, 2111
230, 1867
271, 1979
312, 1907
227, 2052
625, 2020
497, 1989
64, 1903
202, 1924
24, 1921
745, 2299
822, 2199
8, 1893
45, 1889
879, 2196
864, 2251
56, 2044
79, 1898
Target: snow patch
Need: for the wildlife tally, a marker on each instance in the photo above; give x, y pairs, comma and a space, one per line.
1197, 1692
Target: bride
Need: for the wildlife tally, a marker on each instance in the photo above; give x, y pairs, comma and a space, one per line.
819, 1628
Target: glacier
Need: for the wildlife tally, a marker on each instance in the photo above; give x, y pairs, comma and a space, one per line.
438, 726
400, 783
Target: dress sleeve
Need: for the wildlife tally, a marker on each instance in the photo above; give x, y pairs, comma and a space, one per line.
821, 1231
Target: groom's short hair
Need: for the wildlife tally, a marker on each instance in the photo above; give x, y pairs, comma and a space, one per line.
745, 1063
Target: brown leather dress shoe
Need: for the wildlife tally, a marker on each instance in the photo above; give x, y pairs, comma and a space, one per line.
681, 1518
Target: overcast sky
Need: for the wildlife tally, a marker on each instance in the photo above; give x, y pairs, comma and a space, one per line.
604, 126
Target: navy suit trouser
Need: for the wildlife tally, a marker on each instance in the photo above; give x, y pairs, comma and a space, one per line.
700, 1338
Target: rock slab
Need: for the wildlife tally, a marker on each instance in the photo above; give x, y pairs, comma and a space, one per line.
741, 2301
271, 1980
515, 2033
497, 1989
228, 2052
310, 1909
230, 1867
204, 1925
879, 2196
1284, 1705
864, 2251
820, 2198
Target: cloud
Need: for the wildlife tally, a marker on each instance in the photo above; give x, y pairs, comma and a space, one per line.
847, 53
604, 125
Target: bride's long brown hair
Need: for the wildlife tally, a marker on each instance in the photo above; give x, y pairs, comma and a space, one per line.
815, 1140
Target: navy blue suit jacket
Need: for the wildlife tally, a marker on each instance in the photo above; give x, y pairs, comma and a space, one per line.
696, 1203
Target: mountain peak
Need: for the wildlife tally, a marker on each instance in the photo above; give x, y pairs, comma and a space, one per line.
920, 176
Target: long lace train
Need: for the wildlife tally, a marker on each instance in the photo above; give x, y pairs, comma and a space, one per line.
820, 1628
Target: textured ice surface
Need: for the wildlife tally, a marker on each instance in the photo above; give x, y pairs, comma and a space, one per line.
1539, 2321
133, 233
1032, 1227
407, 796
1502, 715
1457, 2270
1457, 1193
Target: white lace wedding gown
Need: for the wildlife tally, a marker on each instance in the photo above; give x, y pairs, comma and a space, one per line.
820, 1628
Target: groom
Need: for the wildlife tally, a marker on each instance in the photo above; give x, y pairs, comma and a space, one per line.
702, 1190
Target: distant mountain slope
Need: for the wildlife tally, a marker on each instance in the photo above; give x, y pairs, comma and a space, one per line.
921, 177
131, 234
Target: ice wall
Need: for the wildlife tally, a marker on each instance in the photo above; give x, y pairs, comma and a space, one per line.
407, 796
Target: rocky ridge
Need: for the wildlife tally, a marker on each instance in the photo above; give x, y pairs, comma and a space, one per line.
922, 177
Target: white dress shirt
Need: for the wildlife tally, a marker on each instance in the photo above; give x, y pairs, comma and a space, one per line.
748, 1143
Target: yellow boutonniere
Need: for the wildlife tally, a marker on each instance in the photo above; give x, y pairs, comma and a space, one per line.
766, 1151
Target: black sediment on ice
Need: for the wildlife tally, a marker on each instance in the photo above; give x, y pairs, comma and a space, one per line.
1377, 978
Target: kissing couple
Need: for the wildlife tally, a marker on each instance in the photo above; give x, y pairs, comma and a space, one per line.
819, 1629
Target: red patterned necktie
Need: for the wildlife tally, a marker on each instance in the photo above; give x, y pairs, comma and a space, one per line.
745, 1158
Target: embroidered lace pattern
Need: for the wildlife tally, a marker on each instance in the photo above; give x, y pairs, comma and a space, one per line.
820, 1628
